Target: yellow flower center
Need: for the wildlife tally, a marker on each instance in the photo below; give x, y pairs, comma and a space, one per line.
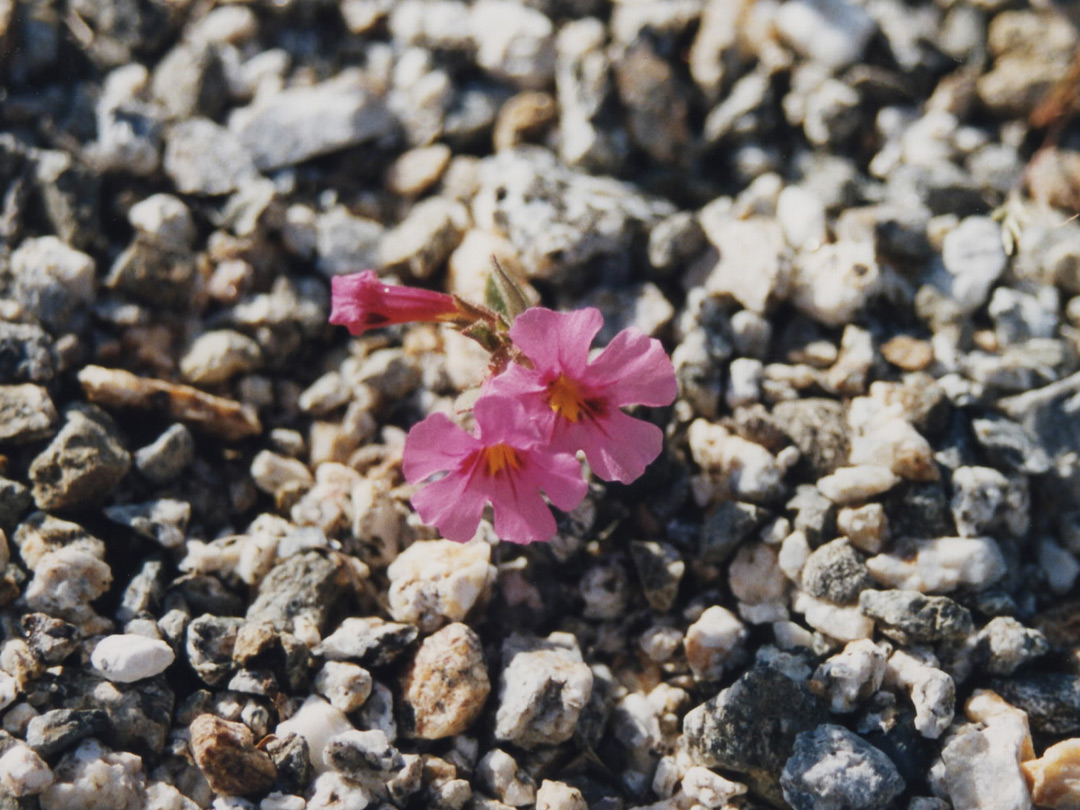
499, 457
566, 399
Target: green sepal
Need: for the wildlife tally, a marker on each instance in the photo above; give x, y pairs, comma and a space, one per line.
502, 293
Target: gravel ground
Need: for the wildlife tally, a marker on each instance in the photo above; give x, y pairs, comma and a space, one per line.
848, 582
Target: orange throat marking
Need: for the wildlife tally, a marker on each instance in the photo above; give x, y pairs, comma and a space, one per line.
500, 457
566, 399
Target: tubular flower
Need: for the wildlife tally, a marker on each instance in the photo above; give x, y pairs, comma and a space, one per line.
361, 301
577, 402
506, 463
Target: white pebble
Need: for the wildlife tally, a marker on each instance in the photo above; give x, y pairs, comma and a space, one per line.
23, 772
710, 789
845, 623
438, 581
130, 657
713, 641
344, 684
932, 691
317, 722
790, 636
282, 801
942, 564
849, 485
794, 552
852, 675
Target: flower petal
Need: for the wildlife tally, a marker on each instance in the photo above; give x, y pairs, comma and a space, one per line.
618, 448
452, 505
634, 369
505, 419
559, 475
521, 515
434, 445
557, 342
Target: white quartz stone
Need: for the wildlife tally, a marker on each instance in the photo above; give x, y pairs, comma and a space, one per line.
317, 722
849, 485
845, 623
932, 692
23, 772
940, 565
713, 641
852, 675
130, 657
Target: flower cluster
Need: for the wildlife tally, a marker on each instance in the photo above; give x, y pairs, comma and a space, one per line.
545, 401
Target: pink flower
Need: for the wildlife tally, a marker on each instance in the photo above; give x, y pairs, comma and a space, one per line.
505, 464
577, 402
361, 301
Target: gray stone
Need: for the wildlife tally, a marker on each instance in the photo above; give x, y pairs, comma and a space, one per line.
190, 81
818, 427
1010, 445
15, 499
82, 464
344, 242
164, 521
830, 767
27, 354
836, 572
815, 515
423, 241
1021, 316
911, 617
370, 641
1051, 700
974, 256
154, 275
289, 127
366, 757
660, 569
167, 456
726, 526
1004, 645
307, 585
202, 157
59, 729
26, 413
54, 282
674, 241
751, 727
833, 32
209, 643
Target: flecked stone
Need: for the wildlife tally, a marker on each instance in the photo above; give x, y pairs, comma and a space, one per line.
65, 582
54, 282
93, 777
82, 464
27, 354
365, 757
543, 688
830, 766
164, 521
660, 569
500, 775
226, 754
209, 646
27, 413
447, 683
818, 427
369, 641
435, 582
1051, 700
202, 157
316, 722
912, 617
852, 675
713, 642
726, 526
309, 586
1004, 645
836, 572
726, 731
60, 729
50, 639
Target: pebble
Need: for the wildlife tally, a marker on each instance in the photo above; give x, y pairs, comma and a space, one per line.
294, 125
65, 582
424, 240
317, 722
415, 171
53, 282
973, 254
910, 617
23, 772
932, 692
370, 641
341, 240
440, 581
1050, 699
754, 266
165, 219
446, 684
835, 572
218, 416
514, 43
726, 526
755, 576
983, 499
832, 32
305, 589
27, 413
941, 565
852, 485
552, 795
845, 623
1004, 645
164, 521
92, 777
500, 775
739, 469
543, 687
129, 658
365, 757
1054, 777
226, 754
833, 767
217, 356
273, 472
202, 157
59, 729
865, 526
983, 764
27, 354
834, 283
851, 676
713, 642
344, 684
209, 643
1059, 566
726, 732
660, 568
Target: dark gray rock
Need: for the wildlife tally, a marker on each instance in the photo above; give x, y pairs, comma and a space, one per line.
155, 274
293, 760
167, 456
143, 593
1005, 645
815, 515
59, 729
1046, 413
15, 499
1051, 700
82, 464
369, 641
190, 81
751, 727
660, 569
364, 756
27, 354
51, 639
912, 617
202, 157
68, 194
309, 585
831, 767
209, 645
818, 427
726, 526
164, 520
918, 510
1010, 445
836, 572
